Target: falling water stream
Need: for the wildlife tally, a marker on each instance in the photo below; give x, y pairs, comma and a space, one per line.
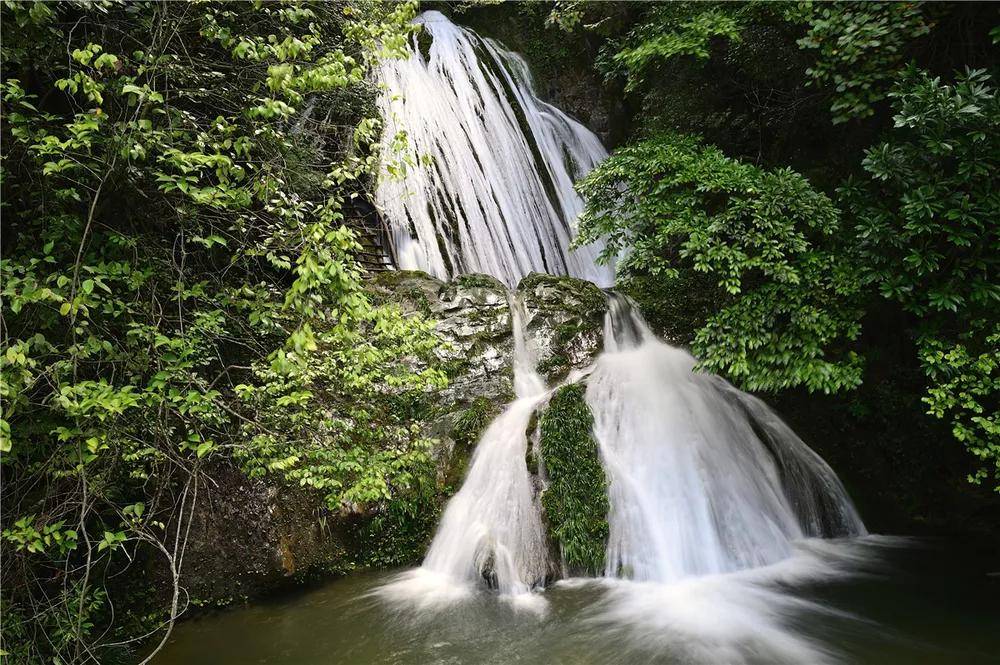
493, 525
731, 541
489, 188
695, 488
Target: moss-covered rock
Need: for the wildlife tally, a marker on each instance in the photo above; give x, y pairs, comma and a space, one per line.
676, 308
468, 426
565, 322
576, 499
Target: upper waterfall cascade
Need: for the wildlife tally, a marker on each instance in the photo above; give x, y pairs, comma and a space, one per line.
488, 185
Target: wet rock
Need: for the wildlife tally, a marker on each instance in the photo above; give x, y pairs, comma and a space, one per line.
472, 315
249, 537
565, 322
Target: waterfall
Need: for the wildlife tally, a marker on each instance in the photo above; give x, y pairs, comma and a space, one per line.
709, 491
491, 531
488, 185
703, 478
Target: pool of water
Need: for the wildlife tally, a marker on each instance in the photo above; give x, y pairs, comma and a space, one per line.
875, 600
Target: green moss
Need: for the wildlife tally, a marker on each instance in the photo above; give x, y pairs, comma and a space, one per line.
567, 331
531, 461
416, 296
391, 278
453, 368
676, 308
424, 41
556, 364
476, 280
576, 500
531, 454
403, 286
590, 296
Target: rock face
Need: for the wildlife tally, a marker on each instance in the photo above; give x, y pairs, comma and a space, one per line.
473, 317
565, 321
252, 536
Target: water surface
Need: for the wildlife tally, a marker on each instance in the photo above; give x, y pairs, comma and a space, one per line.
875, 600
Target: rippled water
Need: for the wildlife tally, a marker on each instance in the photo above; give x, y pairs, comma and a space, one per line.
873, 600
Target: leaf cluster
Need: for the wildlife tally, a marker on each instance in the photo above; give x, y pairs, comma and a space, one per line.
785, 305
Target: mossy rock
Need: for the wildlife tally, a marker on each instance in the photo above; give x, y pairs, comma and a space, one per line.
478, 280
676, 308
565, 321
393, 278
576, 499
582, 296
414, 290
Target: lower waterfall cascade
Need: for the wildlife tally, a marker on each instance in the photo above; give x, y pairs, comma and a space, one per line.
694, 489
702, 478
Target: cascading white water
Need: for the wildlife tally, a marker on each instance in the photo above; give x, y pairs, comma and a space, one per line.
702, 477
489, 188
711, 499
711, 495
491, 530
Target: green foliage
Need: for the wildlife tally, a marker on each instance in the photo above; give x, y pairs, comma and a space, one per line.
964, 388
576, 500
785, 302
914, 252
345, 419
179, 282
664, 39
927, 238
401, 531
567, 15
926, 219
792, 280
28, 535
673, 30
860, 48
